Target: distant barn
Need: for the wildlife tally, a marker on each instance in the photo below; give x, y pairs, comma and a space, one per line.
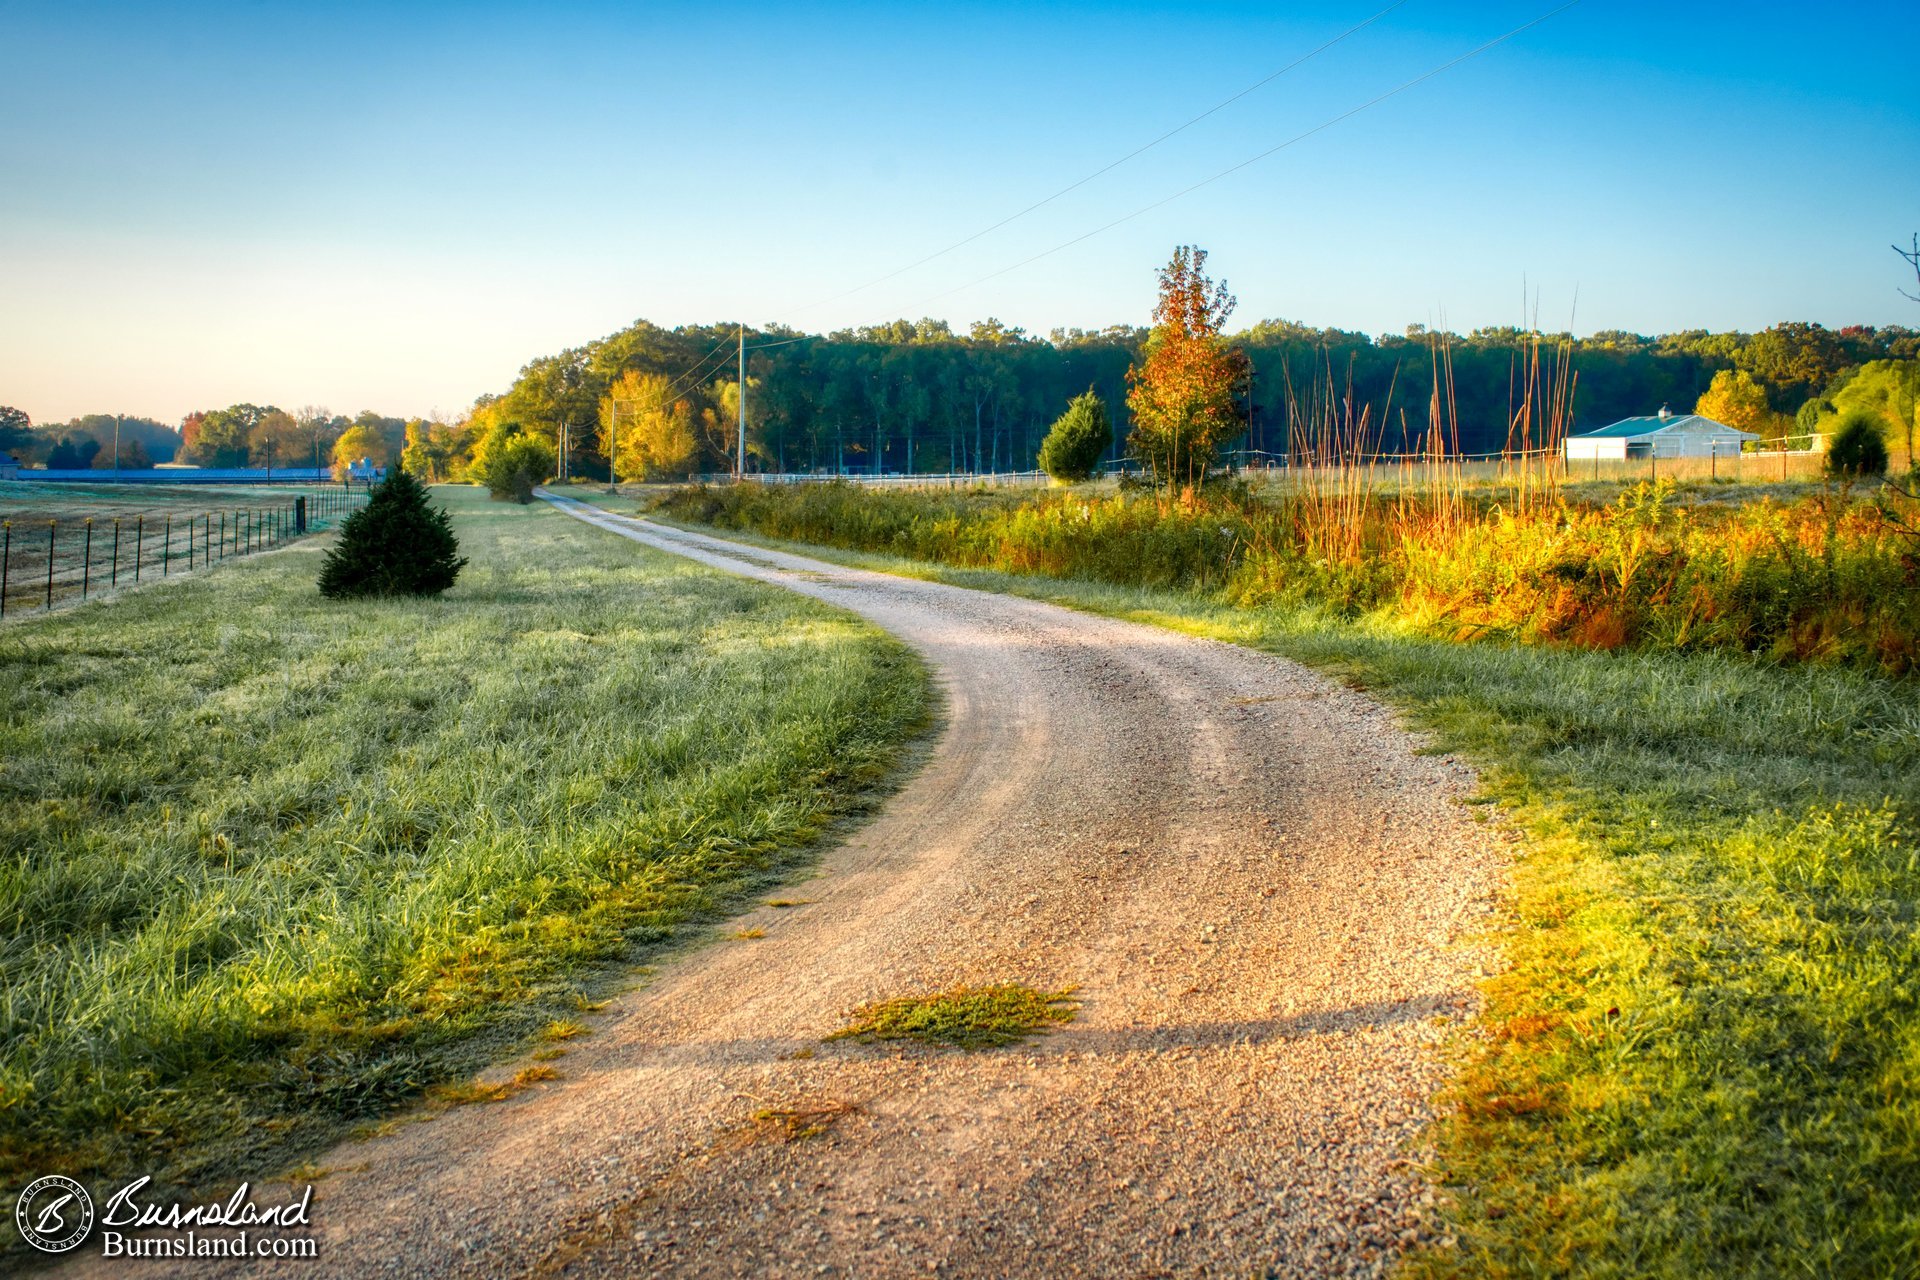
9, 467
1661, 435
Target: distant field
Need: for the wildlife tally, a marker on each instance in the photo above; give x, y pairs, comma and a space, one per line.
270, 864
23, 499
105, 537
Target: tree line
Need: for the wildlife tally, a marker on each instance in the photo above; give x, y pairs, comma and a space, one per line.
920, 396
917, 396
241, 435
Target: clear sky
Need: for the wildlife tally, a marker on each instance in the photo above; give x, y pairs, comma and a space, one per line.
393, 207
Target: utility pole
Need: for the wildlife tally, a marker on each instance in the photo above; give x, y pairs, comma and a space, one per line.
613, 446
740, 457
116, 448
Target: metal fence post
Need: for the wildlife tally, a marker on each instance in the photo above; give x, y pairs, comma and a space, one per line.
166, 545
113, 576
86, 561
53, 527
139, 544
6, 561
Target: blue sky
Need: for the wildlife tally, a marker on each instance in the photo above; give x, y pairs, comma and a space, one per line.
394, 207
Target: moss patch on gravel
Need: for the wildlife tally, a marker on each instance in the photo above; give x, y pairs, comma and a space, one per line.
962, 1017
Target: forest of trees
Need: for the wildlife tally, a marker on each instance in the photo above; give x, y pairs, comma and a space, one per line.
919, 396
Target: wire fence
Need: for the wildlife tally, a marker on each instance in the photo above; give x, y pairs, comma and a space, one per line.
60, 560
886, 479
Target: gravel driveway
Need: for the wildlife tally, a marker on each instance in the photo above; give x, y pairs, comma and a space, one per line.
1253, 882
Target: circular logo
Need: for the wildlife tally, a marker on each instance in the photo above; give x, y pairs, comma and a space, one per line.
54, 1214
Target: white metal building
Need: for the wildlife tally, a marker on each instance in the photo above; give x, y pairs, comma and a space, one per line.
1661, 435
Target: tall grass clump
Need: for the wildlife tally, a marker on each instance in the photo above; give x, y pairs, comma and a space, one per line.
268, 864
1833, 577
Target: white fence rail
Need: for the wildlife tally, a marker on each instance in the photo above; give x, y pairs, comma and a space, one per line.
886, 480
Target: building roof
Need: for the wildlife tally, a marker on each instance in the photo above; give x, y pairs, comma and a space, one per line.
1653, 424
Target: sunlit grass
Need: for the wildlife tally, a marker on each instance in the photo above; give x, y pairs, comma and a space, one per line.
962, 1017
1828, 577
269, 863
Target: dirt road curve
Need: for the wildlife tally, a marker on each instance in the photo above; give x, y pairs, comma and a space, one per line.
1248, 874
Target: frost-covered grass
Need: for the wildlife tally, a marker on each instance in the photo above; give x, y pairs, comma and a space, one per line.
270, 864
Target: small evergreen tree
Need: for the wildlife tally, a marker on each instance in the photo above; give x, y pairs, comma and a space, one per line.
399, 544
1857, 448
1073, 447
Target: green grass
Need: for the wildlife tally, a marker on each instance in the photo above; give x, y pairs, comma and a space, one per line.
1703, 1056
271, 864
962, 1018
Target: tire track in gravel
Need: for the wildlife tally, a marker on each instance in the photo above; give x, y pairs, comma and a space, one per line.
1254, 880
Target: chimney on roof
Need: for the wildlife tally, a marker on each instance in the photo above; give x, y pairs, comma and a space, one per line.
1665, 413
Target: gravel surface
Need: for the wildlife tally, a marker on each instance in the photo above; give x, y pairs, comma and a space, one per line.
1254, 882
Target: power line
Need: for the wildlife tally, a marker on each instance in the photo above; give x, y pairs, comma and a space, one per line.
1233, 169
1108, 168
692, 375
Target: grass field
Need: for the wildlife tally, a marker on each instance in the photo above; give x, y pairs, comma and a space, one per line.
1703, 1057
271, 864
102, 538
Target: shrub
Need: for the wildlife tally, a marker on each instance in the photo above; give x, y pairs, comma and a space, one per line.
1808, 419
1857, 448
510, 463
1073, 447
399, 544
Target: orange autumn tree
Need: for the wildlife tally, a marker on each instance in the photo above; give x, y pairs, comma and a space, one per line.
1181, 392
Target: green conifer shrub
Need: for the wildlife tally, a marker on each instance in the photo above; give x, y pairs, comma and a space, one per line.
399, 544
1857, 448
511, 463
1073, 447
